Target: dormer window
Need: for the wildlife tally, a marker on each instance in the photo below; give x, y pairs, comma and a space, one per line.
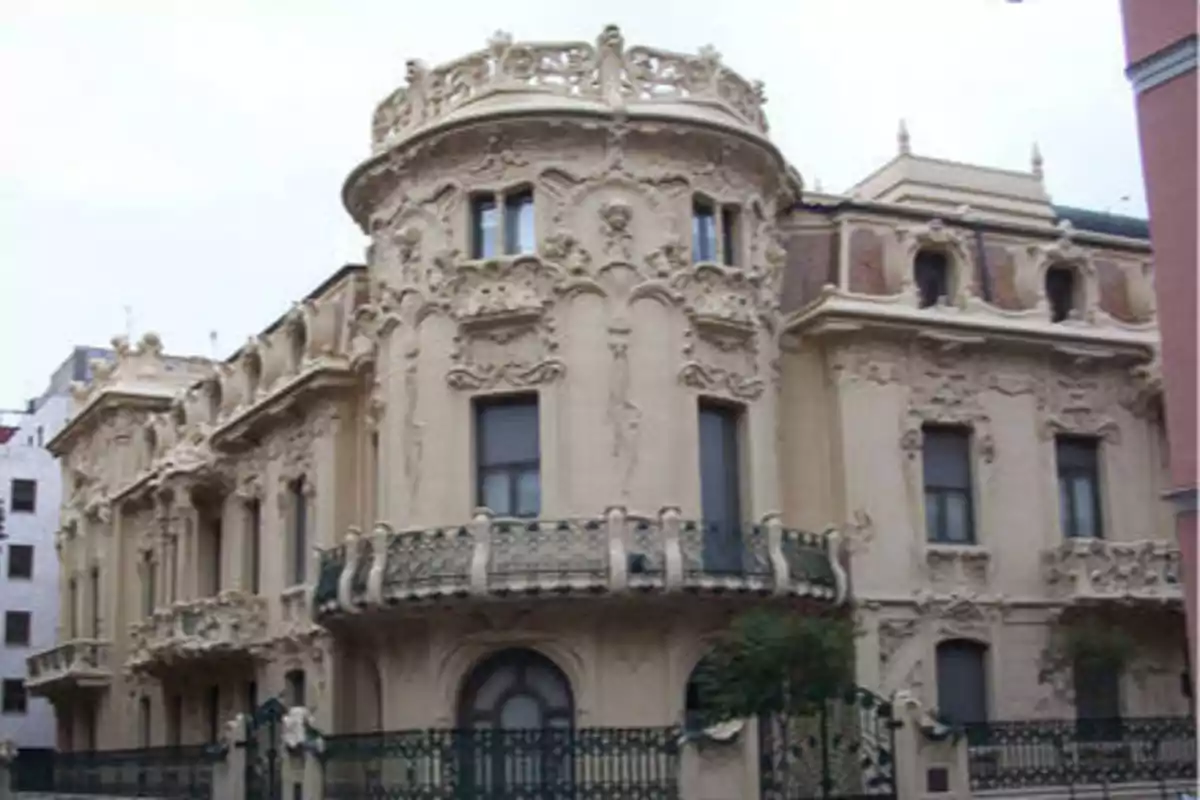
931, 273
510, 231
1060, 292
715, 232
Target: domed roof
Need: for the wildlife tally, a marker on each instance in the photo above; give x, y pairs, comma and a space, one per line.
575, 77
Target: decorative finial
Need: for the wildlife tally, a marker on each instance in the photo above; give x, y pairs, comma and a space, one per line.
1036, 162
710, 54
902, 139
500, 41
817, 185
212, 343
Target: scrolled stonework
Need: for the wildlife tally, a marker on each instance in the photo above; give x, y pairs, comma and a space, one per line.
945, 390
1095, 569
957, 566
933, 235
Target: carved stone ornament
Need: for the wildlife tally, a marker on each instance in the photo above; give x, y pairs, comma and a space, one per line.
933, 235
958, 566
1083, 569
893, 633
960, 613
945, 389
615, 218
1075, 398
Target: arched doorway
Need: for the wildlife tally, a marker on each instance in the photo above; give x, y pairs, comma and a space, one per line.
516, 714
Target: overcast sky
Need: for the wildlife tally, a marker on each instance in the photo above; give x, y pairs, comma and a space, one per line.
185, 159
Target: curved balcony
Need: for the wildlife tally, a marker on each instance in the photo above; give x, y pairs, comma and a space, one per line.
612, 554
198, 632
75, 665
1096, 570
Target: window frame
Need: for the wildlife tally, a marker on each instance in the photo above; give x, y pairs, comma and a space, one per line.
298, 519
253, 511
14, 495
1072, 297
507, 204
9, 566
15, 614
940, 493
1069, 524
724, 243
983, 651
945, 283
296, 683
514, 468
21, 692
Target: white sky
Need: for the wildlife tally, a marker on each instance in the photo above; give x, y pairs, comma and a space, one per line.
186, 158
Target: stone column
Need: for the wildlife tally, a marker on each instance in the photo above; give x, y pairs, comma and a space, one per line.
930, 762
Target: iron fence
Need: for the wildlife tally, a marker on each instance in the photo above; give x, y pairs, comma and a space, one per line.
579, 763
1028, 753
174, 773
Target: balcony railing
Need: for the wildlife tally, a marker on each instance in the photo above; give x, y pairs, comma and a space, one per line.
179, 773
78, 663
1097, 569
212, 627
1031, 753
617, 552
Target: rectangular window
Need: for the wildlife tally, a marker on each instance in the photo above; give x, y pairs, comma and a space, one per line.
1079, 486
95, 602
946, 453
518, 223
376, 477
15, 700
962, 681
485, 227
73, 608
254, 543
144, 721
704, 231
147, 584
16, 628
729, 236
299, 532
215, 554
20, 561
24, 495
508, 456
721, 486
214, 712
295, 688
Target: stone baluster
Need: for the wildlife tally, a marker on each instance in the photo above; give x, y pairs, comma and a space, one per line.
351, 554
669, 527
481, 536
772, 522
841, 581
618, 559
381, 536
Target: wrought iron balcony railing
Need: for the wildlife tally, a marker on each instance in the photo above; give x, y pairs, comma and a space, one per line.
78, 663
212, 627
617, 552
1097, 569
1029, 753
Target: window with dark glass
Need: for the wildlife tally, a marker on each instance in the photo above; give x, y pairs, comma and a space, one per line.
704, 231
294, 681
485, 227
962, 681
696, 703
516, 690
175, 721
1060, 292
931, 273
518, 222
147, 584
1079, 486
16, 628
20, 561
94, 599
213, 703
24, 495
1097, 691
73, 607
299, 503
946, 456
253, 543
729, 235
720, 485
508, 456
15, 699
216, 543
144, 731
251, 696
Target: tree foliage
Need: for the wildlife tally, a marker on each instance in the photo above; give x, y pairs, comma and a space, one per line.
1094, 644
770, 662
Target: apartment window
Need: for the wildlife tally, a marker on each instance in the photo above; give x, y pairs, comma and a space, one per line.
73, 608
299, 503
502, 223
931, 273
213, 702
294, 681
715, 232
215, 555
16, 628
144, 721
1060, 292
20, 561
15, 700
485, 227
1079, 486
24, 495
518, 223
508, 456
254, 543
95, 601
962, 681
147, 584
946, 453
720, 485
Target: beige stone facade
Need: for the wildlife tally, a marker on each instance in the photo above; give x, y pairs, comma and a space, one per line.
605, 239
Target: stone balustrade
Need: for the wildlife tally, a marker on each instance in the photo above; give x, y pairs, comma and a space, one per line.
77, 663
567, 76
229, 624
616, 552
1097, 569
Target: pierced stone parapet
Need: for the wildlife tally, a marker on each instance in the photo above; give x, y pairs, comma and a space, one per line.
1095, 569
608, 554
74, 664
231, 624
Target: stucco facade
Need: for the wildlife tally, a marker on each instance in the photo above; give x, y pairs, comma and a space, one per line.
607, 237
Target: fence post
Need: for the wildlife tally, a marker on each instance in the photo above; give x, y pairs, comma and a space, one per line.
927, 766
721, 762
302, 772
229, 770
8, 755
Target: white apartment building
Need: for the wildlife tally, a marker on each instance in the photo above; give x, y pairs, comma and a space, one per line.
30, 498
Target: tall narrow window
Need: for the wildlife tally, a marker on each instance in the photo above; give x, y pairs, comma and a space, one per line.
94, 601
485, 227
148, 588
253, 543
73, 608
931, 273
376, 478
213, 702
1097, 691
251, 696
16, 628
730, 238
508, 458
15, 697
720, 486
518, 223
946, 452
295, 688
20, 561
1060, 292
1079, 486
175, 721
299, 531
962, 681
215, 554
144, 721
704, 230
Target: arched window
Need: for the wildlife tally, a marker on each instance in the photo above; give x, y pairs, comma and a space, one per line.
516, 690
1060, 292
962, 680
931, 273
695, 704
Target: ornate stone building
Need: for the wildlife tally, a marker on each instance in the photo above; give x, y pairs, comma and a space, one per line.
610, 375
